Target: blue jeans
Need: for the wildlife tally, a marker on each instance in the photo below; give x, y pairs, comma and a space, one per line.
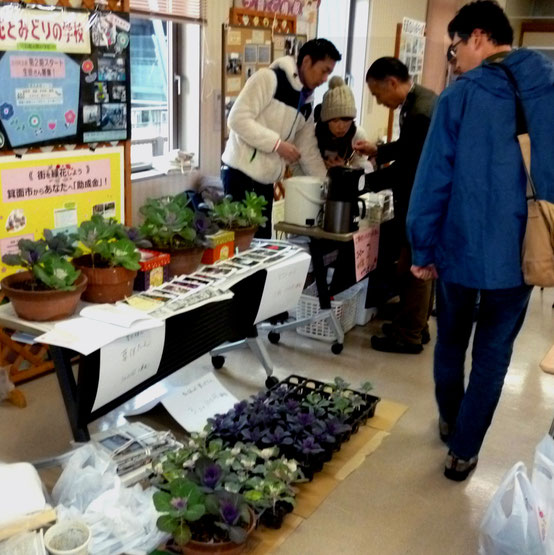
469, 411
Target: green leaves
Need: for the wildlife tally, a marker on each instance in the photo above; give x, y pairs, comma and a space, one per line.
247, 213
108, 241
47, 260
56, 272
169, 222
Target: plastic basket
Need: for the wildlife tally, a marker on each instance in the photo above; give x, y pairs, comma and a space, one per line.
344, 306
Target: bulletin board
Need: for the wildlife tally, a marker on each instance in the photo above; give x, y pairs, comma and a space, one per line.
245, 50
57, 190
65, 74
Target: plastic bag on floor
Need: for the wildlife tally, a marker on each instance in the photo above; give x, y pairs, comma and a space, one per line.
120, 518
512, 522
543, 484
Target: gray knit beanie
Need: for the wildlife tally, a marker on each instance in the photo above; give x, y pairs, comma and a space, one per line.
338, 101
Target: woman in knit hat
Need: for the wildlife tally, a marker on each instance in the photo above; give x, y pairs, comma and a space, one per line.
336, 131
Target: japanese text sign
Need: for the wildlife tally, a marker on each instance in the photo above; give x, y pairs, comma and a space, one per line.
40, 29
366, 250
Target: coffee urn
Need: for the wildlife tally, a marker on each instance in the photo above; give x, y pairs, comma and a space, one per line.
343, 207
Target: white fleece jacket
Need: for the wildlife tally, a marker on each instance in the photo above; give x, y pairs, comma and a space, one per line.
266, 110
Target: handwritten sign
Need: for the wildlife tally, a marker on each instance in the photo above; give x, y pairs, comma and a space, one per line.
283, 286
194, 403
366, 250
32, 29
127, 362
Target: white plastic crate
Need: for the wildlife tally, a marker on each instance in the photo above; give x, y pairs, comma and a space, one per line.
344, 306
363, 314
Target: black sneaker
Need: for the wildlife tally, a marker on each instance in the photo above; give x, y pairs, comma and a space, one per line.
390, 345
388, 329
458, 469
444, 430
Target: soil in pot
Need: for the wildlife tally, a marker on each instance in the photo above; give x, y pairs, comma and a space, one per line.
243, 237
41, 305
105, 284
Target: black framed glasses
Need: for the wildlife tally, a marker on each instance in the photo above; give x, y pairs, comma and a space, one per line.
451, 52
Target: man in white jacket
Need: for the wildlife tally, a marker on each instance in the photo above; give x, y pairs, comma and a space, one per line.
271, 124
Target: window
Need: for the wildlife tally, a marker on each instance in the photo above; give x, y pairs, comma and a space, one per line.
165, 89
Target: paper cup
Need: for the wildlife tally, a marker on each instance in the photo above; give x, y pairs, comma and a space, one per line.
69, 537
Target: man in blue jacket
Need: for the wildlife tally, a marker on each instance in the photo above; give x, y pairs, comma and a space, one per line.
467, 217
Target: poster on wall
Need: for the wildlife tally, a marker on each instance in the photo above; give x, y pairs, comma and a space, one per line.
49, 64
57, 190
105, 111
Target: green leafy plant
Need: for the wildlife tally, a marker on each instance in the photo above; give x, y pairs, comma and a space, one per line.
246, 213
47, 260
190, 513
108, 243
171, 223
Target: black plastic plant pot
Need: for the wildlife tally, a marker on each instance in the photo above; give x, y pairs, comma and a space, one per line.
272, 518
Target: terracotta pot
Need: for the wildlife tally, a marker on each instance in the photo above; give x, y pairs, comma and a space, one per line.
225, 548
183, 261
105, 285
244, 236
42, 306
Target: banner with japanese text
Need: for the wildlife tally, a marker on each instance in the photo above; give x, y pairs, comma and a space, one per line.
44, 29
57, 190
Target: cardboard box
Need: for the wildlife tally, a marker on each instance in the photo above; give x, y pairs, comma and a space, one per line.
221, 247
154, 269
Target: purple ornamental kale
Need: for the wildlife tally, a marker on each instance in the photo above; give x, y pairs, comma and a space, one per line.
229, 511
179, 503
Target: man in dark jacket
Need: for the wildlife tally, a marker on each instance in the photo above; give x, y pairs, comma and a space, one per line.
390, 83
467, 217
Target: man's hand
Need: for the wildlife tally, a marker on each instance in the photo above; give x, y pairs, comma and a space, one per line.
366, 148
288, 152
425, 272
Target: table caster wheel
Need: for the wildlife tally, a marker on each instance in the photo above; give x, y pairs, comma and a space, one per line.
271, 381
218, 362
274, 337
336, 348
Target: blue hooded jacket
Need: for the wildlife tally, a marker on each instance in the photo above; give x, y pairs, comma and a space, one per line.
468, 207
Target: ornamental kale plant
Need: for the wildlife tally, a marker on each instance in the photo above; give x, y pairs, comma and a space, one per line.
107, 241
171, 223
236, 214
189, 513
47, 260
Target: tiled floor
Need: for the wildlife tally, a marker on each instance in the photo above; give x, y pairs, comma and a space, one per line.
397, 502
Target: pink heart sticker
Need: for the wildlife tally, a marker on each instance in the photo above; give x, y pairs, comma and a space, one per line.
52, 125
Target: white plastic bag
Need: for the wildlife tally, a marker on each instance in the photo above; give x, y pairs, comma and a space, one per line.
543, 484
511, 525
86, 475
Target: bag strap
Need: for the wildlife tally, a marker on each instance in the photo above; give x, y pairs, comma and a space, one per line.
522, 131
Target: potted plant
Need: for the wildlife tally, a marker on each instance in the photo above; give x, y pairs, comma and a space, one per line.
174, 227
111, 260
242, 217
201, 516
50, 287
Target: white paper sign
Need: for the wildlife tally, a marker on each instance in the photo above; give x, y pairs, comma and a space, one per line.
193, 404
283, 286
127, 362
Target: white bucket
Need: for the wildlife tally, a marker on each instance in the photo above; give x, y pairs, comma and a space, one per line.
304, 199
68, 537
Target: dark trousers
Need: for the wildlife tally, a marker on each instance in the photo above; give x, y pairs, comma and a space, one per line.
236, 183
469, 411
416, 301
